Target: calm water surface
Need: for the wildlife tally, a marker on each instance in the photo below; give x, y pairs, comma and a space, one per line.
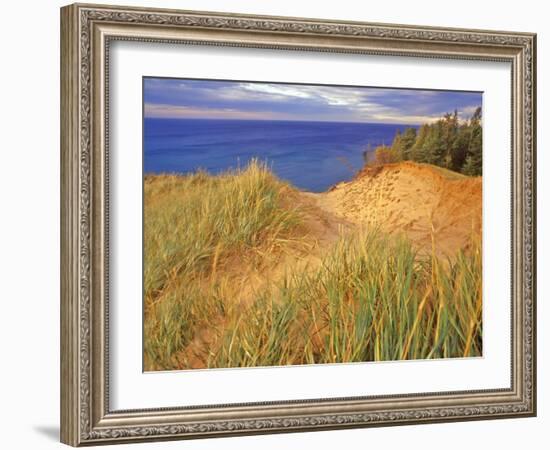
311, 155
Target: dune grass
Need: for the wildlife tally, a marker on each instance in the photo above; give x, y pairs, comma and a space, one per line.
194, 226
372, 298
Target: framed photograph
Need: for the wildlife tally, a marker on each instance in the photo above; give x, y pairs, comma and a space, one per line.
278, 224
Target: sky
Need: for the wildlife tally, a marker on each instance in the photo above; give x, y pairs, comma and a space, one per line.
210, 99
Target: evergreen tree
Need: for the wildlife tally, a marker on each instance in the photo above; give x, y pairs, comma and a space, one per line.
459, 148
417, 152
434, 146
474, 159
445, 143
449, 135
408, 139
397, 144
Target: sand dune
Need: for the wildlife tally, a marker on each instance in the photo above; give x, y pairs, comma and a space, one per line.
419, 200
426, 203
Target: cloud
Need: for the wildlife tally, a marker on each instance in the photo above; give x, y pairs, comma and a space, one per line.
276, 90
280, 101
152, 110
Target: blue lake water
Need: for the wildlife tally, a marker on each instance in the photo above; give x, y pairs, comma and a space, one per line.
313, 156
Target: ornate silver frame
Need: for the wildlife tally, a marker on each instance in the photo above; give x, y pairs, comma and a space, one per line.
86, 33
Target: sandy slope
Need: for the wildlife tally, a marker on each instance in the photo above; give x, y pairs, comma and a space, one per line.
320, 229
412, 198
404, 197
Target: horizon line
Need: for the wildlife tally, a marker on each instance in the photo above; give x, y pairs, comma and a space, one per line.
281, 120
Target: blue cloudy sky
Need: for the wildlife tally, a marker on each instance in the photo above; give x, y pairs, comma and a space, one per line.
203, 99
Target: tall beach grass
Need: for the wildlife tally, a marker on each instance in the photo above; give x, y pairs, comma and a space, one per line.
372, 297
195, 227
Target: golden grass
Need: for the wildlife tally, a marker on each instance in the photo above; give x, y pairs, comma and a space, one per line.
193, 227
372, 298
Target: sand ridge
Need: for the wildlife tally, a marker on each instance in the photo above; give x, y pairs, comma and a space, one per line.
419, 200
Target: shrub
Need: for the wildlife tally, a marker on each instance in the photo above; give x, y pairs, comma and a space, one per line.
385, 155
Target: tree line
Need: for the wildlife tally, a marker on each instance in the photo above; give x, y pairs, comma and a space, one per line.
447, 143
